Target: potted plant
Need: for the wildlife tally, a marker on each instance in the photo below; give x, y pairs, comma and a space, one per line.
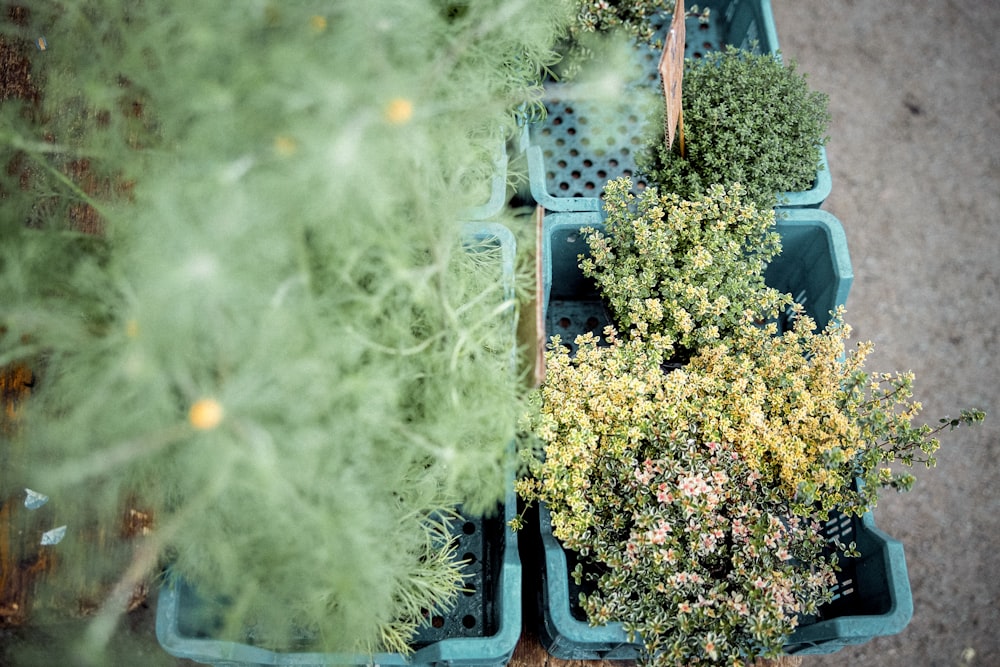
708, 511
601, 125
284, 347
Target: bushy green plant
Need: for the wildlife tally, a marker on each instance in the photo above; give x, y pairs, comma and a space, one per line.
633, 18
281, 347
695, 497
748, 118
689, 547
604, 31
686, 274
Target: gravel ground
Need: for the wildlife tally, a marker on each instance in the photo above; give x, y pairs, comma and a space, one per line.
916, 182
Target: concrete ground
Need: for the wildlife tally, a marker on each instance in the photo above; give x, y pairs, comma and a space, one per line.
914, 153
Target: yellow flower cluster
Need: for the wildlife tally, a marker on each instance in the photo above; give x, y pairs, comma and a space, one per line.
780, 401
796, 407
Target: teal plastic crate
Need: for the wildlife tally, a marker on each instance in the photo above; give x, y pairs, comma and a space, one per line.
872, 597
481, 631
582, 143
814, 267
498, 188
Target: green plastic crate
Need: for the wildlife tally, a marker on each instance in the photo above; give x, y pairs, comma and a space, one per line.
481, 631
814, 267
498, 188
583, 143
872, 597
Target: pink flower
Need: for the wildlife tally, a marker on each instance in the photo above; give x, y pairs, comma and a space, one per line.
663, 495
693, 485
659, 534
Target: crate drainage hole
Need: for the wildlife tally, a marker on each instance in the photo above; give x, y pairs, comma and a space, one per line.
469, 621
469, 528
469, 557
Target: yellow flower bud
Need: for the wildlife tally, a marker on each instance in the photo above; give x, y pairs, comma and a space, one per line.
399, 111
317, 23
205, 414
285, 146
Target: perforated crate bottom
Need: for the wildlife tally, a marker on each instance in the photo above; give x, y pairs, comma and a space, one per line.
587, 143
474, 615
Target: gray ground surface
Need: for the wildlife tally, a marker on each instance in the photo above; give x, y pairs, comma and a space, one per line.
915, 158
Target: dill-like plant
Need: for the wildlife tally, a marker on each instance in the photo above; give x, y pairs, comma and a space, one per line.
281, 344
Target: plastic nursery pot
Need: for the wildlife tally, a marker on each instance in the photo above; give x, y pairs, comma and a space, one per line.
481, 631
583, 143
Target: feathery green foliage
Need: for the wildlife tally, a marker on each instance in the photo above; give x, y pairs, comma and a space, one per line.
281, 346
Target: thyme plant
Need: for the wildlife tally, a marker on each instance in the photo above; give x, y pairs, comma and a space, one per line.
684, 273
635, 19
281, 345
694, 493
686, 543
748, 118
